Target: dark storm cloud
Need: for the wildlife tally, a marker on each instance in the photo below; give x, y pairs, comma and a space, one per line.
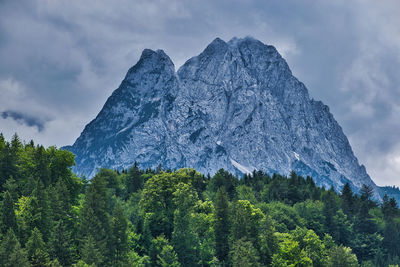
62, 59
23, 119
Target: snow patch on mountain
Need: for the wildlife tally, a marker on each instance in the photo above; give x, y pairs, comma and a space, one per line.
240, 167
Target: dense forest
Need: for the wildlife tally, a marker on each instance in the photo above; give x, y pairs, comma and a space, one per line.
51, 217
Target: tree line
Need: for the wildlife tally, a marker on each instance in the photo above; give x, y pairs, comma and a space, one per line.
135, 217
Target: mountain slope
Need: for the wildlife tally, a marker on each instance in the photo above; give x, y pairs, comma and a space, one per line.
235, 106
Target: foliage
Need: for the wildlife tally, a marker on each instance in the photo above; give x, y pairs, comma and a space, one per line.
134, 217
342, 256
244, 254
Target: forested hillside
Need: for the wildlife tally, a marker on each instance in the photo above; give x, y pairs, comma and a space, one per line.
51, 217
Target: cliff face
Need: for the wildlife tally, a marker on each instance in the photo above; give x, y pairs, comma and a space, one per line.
235, 106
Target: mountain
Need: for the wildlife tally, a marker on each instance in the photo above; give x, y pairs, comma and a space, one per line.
235, 106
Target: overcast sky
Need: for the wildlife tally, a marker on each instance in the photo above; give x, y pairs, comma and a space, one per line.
60, 60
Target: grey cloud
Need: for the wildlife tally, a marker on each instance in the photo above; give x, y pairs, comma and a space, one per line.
24, 119
71, 56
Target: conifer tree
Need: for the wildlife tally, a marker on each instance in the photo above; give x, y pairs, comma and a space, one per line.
391, 240
10, 160
366, 192
15, 151
293, 189
167, 257
12, 187
347, 199
330, 208
243, 253
134, 181
11, 253
3, 177
90, 253
42, 165
95, 224
222, 226
224, 179
64, 230
37, 253
389, 207
41, 210
119, 242
61, 243
8, 219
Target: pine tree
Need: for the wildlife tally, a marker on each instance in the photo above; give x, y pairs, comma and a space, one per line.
119, 243
42, 165
95, 224
391, 240
12, 188
3, 177
389, 207
243, 253
11, 253
224, 179
222, 226
61, 243
134, 181
330, 209
91, 254
8, 219
10, 160
168, 257
43, 212
347, 200
37, 253
293, 188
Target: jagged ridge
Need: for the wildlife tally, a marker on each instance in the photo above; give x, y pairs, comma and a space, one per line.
235, 106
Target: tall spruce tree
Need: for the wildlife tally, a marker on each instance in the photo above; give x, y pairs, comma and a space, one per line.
62, 243
119, 242
391, 240
222, 225
3, 177
243, 253
11, 253
91, 254
8, 219
347, 200
37, 253
134, 181
94, 221
45, 221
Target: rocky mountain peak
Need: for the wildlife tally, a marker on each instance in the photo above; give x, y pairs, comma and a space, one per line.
235, 106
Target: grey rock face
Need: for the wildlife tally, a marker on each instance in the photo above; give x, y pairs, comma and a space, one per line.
235, 106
